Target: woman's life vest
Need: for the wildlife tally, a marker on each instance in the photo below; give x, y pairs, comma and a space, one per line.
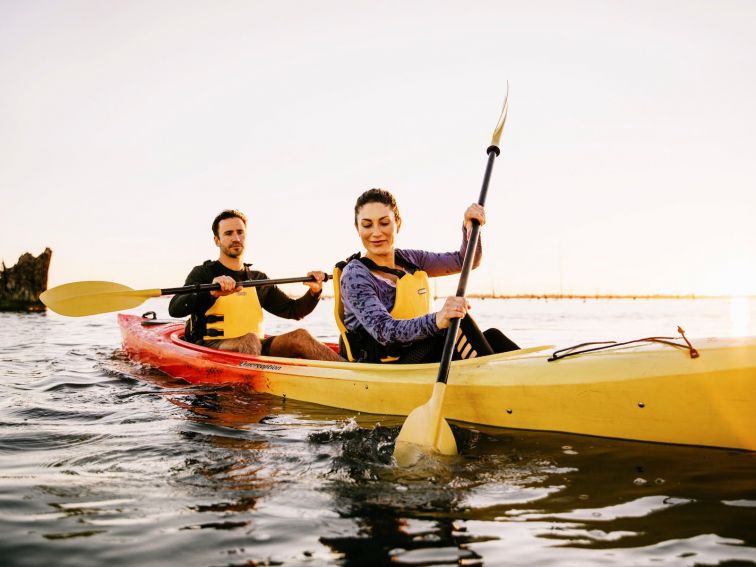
413, 299
235, 315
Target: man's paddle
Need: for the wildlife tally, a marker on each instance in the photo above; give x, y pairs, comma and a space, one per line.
425, 429
77, 299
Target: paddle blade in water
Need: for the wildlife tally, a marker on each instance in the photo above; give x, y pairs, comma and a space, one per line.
424, 431
78, 299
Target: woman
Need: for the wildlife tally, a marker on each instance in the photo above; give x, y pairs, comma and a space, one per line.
383, 298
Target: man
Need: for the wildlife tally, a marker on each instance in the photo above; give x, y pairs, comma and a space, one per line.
231, 318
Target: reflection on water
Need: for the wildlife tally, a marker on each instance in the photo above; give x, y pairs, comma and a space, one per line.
106, 462
516, 498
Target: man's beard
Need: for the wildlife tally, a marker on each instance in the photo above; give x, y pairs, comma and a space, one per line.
233, 252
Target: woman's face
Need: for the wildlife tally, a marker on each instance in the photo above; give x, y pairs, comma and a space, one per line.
377, 227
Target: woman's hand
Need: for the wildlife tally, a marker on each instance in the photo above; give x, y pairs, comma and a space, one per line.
228, 285
317, 286
454, 308
474, 212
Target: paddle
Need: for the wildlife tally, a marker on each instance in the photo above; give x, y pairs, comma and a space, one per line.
77, 299
425, 429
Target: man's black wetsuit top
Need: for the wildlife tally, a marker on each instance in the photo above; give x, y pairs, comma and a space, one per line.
272, 299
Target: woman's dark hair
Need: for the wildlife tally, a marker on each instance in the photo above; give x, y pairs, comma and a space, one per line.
228, 214
377, 196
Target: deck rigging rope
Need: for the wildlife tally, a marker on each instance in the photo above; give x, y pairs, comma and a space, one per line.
579, 349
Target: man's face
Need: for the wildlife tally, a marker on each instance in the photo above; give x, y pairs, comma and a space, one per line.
231, 236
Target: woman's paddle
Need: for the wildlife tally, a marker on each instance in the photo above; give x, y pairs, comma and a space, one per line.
425, 429
77, 299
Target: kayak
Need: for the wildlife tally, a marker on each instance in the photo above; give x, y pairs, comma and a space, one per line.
645, 392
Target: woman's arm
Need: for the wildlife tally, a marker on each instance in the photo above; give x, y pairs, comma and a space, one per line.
276, 301
444, 263
361, 295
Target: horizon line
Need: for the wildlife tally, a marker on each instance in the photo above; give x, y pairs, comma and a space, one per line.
594, 296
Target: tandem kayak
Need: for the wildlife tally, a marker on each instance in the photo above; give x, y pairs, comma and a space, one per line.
645, 392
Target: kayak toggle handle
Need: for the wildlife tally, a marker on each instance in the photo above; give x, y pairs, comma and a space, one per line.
693, 352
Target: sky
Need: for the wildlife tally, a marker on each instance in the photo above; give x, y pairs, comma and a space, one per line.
627, 161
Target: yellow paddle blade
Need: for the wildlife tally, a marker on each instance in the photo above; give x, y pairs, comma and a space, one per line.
78, 299
502, 119
425, 430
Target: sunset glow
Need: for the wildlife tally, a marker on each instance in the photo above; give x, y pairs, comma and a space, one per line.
626, 161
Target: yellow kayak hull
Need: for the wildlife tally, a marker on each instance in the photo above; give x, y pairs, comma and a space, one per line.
649, 392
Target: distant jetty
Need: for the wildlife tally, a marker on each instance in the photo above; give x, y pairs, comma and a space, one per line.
590, 296
584, 297
20, 285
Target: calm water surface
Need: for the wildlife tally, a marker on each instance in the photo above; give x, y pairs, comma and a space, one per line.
106, 462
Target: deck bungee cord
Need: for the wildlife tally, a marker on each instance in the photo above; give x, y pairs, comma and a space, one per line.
571, 351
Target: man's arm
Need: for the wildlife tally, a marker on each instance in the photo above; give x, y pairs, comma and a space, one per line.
189, 303
274, 300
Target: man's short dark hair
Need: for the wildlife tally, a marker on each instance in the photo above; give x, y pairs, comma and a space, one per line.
228, 214
377, 196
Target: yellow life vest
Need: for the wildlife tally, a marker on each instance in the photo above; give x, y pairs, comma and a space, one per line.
338, 308
413, 299
235, 315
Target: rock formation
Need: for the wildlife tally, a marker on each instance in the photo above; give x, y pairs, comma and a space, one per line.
20, 285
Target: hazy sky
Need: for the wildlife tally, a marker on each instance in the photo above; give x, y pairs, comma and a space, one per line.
628, 161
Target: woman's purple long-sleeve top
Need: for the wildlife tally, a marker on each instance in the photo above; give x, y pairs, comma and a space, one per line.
368, 299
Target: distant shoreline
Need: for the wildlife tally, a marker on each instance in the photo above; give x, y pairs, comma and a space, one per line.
601, 296
550, 296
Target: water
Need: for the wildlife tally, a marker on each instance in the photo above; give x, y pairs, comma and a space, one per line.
106, 462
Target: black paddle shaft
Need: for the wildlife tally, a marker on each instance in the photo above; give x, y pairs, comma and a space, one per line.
246, 283
472, 244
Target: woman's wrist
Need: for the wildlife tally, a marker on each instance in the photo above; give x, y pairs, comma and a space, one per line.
441, 322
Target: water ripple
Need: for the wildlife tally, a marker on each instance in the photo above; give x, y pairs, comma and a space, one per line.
103, 461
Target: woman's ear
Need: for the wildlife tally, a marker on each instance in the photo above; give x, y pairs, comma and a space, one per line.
398, 225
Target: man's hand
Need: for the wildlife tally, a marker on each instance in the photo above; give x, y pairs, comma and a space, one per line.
317, 286
228, 285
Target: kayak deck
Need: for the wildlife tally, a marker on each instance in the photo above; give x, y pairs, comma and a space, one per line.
646, 392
